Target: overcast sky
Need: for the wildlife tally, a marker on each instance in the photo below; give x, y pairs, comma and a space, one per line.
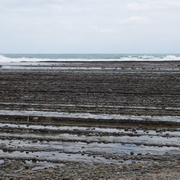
89, 26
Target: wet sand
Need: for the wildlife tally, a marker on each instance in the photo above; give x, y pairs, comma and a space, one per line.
114, 114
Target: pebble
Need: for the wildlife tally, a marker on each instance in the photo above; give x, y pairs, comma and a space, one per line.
74, 170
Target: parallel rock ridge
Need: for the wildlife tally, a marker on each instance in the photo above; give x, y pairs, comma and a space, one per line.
121, 115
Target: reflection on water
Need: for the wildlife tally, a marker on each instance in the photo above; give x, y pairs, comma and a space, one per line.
90, 115
85, 143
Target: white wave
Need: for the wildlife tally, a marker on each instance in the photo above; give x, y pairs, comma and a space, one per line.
4, 59
151, 58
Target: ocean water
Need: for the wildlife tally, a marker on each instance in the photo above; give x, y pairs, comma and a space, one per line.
4, 58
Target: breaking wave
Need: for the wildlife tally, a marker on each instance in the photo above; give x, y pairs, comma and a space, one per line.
102, 57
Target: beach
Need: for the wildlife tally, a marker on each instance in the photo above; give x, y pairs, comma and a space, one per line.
90, 120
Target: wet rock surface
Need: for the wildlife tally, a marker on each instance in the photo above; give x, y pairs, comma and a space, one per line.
118, 120
126, 84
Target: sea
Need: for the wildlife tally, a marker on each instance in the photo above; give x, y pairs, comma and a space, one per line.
4, 58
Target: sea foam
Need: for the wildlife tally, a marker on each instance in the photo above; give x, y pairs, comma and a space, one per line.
34, 58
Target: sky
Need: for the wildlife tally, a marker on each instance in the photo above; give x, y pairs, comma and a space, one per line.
89, 26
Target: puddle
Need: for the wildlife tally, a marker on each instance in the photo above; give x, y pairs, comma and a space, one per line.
146, 139
90, 116
124, 147
39, 127
87, 146
71, 128
57, 156
92, 106
38, 165
90, 129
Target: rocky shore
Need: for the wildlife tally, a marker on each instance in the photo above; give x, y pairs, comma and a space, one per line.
90, 120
